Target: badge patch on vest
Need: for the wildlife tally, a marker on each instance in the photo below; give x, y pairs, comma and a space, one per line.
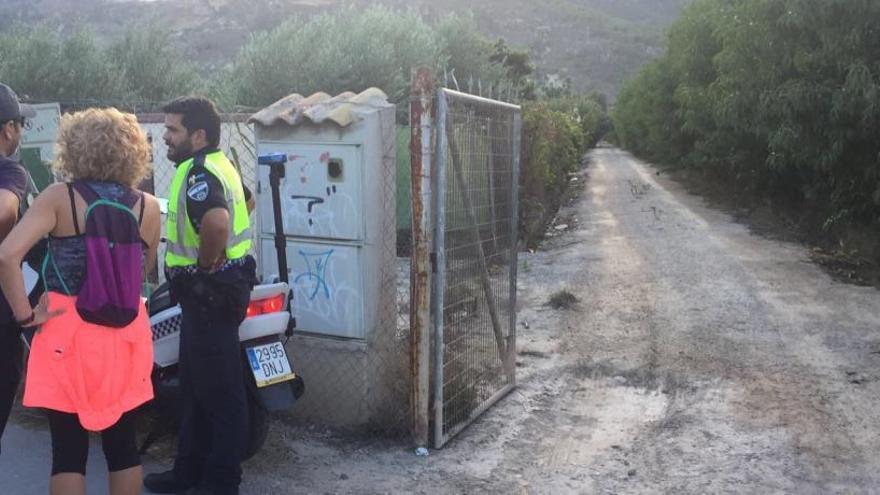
199, 176
198, 191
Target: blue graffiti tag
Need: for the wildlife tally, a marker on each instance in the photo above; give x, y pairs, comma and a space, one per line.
316, 273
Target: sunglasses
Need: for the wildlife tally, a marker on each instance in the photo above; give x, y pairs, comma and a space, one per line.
20, 121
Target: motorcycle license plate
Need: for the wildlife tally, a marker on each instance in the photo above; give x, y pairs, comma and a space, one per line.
269, 364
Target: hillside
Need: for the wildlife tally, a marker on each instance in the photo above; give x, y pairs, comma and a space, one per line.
595, 43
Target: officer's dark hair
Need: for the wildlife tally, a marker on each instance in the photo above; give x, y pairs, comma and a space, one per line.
198, 113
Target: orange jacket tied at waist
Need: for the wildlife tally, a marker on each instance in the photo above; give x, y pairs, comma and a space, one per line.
96, 372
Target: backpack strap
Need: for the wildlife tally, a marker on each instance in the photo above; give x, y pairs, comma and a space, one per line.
84, 190
143, 205
129, 197
51, 259
73, 208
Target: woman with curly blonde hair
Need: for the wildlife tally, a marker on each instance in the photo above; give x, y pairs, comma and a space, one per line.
87, 376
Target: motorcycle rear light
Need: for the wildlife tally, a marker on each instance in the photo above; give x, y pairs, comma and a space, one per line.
273, 304
265, 306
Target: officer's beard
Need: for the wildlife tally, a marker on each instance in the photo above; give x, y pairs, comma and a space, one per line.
179, 154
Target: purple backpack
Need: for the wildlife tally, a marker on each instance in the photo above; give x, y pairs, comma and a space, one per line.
111, 288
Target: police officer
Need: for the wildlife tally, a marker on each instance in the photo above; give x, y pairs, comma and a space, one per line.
211, 276
13, 186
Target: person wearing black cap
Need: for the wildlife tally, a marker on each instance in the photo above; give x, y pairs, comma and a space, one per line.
13, 187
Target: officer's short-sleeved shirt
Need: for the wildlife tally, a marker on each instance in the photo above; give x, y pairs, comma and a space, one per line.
204, 192
13, 178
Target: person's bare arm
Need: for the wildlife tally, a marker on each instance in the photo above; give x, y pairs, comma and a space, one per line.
37, 223
152, 230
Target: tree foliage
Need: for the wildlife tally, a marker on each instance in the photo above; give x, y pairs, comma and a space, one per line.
42, 63
343, 51
152, 70
555, 135
351, 50
346, 50
779, 96
46, 64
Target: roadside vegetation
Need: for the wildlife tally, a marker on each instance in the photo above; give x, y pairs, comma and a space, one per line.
776, 104
346, 50
556, 134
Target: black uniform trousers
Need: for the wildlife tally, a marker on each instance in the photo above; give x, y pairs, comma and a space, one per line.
214, 420
10, 369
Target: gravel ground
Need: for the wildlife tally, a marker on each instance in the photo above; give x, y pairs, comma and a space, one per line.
694, 357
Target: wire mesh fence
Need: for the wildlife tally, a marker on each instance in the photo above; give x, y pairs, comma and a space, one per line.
362, 383
476, 244
358, 384
366, 383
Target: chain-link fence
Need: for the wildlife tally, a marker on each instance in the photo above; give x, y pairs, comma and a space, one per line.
355, 383
358, 382
475, 238
367, 382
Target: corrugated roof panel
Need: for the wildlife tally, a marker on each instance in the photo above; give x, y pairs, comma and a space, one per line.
342, 109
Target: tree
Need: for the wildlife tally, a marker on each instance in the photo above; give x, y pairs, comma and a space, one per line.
348, 50
153, 70
780, 97
41, 64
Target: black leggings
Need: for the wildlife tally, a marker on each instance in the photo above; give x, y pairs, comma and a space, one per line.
70, 444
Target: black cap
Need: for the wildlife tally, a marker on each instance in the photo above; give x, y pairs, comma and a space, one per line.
10, 108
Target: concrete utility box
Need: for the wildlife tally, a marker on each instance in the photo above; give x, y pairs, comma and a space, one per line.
338, 208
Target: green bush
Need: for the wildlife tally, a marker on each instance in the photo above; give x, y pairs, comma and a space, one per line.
589, 112
152, 70
139, 70
41, 63
344, 50
778, 98
351, 50
552, 144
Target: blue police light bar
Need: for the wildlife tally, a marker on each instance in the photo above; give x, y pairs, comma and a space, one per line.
272, 159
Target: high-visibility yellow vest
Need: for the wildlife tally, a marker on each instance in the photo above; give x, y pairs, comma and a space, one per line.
182, 247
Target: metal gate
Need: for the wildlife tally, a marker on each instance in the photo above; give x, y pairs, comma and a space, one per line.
473, 306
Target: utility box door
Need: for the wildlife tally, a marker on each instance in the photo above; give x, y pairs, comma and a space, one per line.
321, 193
327, 283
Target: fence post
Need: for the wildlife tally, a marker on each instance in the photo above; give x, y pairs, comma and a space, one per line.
439, 286
421, 110
516, 138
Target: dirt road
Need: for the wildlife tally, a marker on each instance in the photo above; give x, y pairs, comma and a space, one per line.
702, 359
699, 359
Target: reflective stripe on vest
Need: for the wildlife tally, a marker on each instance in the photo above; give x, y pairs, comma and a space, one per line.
182, 248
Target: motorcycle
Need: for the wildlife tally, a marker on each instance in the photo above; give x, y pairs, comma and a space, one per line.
271, 383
